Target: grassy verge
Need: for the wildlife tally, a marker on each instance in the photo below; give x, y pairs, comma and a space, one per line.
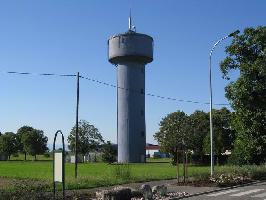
91, 175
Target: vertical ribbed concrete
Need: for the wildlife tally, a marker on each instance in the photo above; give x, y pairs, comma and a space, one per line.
131, 112
130, 52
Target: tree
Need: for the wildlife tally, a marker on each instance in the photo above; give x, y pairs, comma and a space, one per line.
109, 153
89, 138
34, 142
173, 133
8, 144
199, 129
21, 131
247, 94
224, 135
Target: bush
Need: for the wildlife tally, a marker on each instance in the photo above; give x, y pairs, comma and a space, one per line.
122, 171
47, 155
109, 153
15, 155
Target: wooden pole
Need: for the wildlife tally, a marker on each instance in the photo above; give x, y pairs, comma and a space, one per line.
184, 167
187, 164
177, 167
77, 128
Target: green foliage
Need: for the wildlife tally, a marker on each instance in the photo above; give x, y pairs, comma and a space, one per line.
173, 134
109, 153
247, 94
199, 128
89, 138
21, 131
255, 172
8, 143
101, 174
223, 134
34, 142
122, 171
47, 155
179, 131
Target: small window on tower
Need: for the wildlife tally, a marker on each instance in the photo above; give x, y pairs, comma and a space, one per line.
142, 91
142, 112
142, 133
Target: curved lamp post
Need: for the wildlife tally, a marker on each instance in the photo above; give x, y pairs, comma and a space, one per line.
210, 85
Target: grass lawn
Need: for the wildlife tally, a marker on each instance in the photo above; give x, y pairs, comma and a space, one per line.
94, 174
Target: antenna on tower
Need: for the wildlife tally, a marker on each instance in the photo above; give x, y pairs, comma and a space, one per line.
130, 26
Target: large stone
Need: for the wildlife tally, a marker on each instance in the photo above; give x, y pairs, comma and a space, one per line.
146, 191
115, 194
160, 190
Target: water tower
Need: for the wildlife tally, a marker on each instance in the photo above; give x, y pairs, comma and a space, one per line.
130, 52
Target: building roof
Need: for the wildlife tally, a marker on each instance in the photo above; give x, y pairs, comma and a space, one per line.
152, 147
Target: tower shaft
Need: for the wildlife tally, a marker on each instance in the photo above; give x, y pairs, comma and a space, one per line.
131, 112
130, 52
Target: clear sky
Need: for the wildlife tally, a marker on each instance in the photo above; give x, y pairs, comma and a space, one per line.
67, 36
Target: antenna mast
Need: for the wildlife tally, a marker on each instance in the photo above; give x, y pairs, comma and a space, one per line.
130, 21
130, 26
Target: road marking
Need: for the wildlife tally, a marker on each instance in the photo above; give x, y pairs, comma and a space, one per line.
221, 193
260, 195
245, 193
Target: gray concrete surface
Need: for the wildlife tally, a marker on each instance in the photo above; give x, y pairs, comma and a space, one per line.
254, 191
130, 52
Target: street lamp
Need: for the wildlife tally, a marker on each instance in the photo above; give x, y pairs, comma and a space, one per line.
210, 82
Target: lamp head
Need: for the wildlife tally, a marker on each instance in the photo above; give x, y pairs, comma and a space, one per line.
234, 33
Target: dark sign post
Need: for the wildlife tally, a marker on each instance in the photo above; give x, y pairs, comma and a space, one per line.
59, 164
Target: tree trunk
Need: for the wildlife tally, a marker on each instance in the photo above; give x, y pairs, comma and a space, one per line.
184, 167
25, 156
187, 165
35, 158
177, 167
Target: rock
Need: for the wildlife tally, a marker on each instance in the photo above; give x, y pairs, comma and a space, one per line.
146, 191
136, 194
115, 194
155, 189
160, 190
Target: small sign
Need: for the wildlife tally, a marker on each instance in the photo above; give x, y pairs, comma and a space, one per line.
58, 167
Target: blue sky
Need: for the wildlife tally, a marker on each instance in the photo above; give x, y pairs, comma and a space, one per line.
63, 36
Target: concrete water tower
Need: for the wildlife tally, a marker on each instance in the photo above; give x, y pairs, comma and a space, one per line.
130, 52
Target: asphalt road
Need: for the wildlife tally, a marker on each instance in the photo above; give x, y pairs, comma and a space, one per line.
255, 191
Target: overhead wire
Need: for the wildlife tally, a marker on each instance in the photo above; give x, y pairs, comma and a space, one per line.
114, 86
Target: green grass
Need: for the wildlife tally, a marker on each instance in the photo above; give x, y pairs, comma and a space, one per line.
92, 174
159, 160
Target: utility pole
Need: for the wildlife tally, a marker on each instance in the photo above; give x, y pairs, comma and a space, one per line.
77, 129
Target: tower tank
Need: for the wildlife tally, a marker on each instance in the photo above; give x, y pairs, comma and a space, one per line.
130, 52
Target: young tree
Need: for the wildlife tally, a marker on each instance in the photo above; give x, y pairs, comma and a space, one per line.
34, 142
247, 94
21, 131
89, 138
8, 144
199, 126
109, 153
224, 135
173, 134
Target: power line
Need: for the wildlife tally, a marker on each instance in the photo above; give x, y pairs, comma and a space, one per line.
114, 86
39, 74
150, 94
